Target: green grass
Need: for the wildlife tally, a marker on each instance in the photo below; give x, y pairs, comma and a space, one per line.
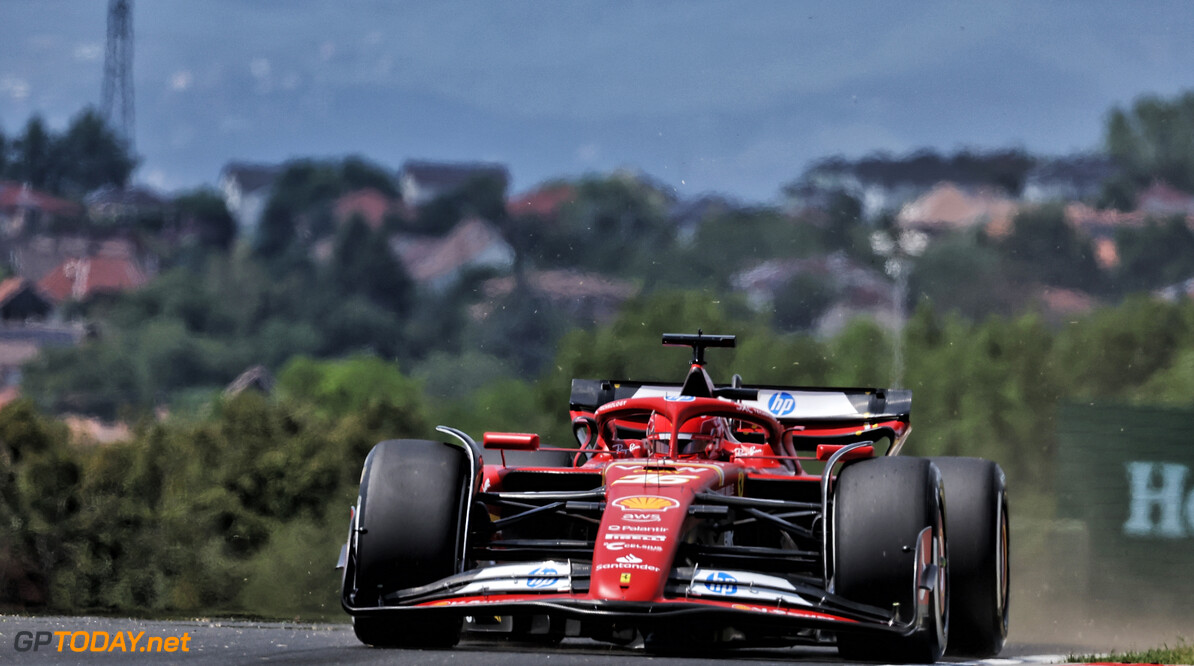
1182, 654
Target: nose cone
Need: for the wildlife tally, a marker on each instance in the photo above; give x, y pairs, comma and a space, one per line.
636, 545
647, 504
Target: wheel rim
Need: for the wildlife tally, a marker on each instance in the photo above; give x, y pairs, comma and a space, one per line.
1002, 583
942, 557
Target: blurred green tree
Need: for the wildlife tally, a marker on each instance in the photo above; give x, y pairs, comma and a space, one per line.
1158, 254
88, 156
1043, 248
1154, 139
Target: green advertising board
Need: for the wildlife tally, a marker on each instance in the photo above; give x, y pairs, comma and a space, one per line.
1126, 475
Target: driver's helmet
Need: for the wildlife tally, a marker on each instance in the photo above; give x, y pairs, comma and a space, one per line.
696, 435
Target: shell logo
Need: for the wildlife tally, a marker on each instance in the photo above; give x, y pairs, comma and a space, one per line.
646, 503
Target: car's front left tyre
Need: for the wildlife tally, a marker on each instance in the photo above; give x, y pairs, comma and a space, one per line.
410, 526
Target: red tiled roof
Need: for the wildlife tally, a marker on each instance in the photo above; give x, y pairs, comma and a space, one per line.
9, 394
544, 202
1090, 220
948, 207
1066, 302
79, 279
369, 203
11, 287
564, 284
14, 196
1163, 199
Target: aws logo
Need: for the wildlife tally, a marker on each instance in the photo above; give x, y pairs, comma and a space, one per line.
645, 503
644, 517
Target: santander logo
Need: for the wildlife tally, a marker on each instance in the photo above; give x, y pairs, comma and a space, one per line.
629, 558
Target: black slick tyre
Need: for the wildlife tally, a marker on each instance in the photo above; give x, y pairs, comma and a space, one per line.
410, 519
881, 506
977, 524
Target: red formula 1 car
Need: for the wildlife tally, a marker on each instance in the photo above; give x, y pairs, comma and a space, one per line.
689, 514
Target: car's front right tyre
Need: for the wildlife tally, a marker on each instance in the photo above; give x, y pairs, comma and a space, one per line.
881, 507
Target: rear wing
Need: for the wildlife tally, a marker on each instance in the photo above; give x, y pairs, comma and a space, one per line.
790, 405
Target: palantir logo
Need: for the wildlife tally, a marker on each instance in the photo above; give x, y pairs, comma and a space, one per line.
781, 404
543, 577
721, 583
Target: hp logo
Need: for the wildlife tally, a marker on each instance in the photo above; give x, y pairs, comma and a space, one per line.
781, 404
543, 577
721, 583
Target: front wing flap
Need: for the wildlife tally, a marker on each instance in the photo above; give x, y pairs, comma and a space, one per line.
758, 603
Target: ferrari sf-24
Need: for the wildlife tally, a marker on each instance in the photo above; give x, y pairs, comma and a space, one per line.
688, 515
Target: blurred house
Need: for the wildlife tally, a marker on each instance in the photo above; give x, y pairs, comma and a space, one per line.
879, 185
1162, 200
588, 296
34, 257
21, 301
23, 208
1059, 305
247, 189
437, 263
26, 327
79, 279
859, 291
947, 207
1157, 202
257, 378
1180, 291
1077, 178
110, 204
422, 182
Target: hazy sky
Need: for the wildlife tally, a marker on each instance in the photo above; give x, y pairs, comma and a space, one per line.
732, 97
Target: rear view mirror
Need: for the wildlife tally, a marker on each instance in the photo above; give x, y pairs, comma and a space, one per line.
824, 451
511, 441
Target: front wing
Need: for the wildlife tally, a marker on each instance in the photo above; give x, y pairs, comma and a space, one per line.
758, 606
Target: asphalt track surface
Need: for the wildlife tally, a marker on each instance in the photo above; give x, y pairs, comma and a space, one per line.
228, 642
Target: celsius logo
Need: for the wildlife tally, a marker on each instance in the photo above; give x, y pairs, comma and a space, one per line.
679, 398
721, 583
543, 577
781, 404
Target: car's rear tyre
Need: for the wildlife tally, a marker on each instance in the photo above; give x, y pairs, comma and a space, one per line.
410, 521
977, 524
880, 508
